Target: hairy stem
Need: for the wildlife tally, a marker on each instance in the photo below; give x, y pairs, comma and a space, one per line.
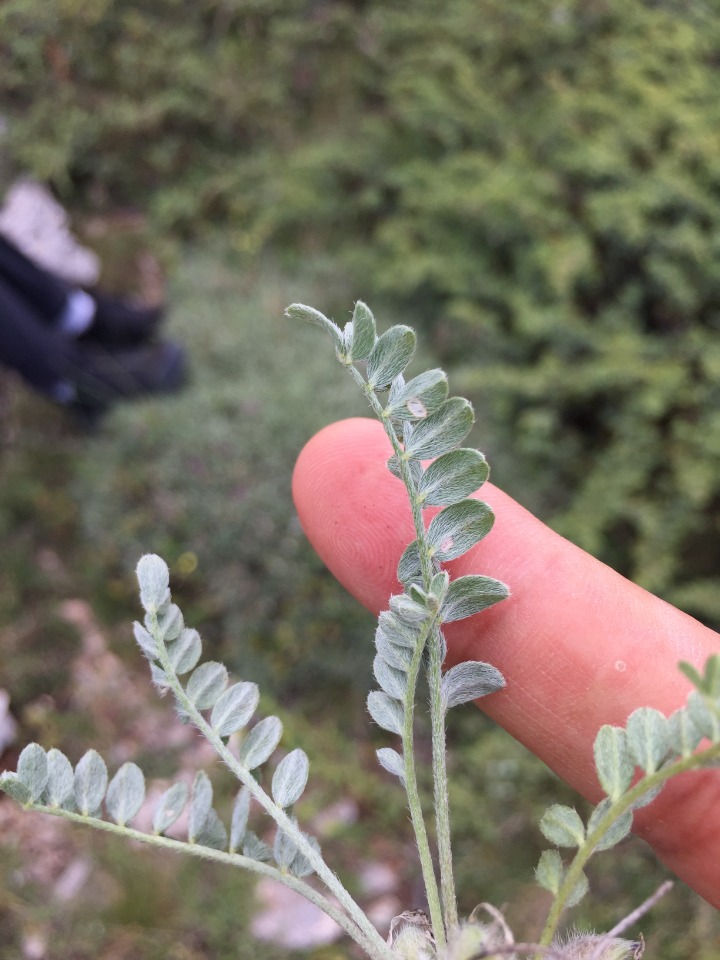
437, 714
440, 781
331, 881
413, 795
219, 856
411, 788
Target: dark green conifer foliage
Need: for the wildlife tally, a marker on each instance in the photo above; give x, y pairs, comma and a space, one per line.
538, 181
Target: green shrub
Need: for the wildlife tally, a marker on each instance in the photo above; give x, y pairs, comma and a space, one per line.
536, 182
540, 186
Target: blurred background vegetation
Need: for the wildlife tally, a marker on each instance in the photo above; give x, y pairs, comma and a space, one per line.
536, 186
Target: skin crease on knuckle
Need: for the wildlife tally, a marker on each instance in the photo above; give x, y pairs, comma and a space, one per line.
578, 644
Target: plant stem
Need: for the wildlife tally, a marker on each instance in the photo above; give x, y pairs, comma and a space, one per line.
220, 856
331, 881
639, 912
426, 861
440, 782
437, 713
413, 795
621, 806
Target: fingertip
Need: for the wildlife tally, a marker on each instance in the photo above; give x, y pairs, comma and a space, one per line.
341, 486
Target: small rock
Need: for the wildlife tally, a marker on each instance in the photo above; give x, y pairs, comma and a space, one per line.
383, 910
72, 879
290, 921
8, 727
377, 878
34, 946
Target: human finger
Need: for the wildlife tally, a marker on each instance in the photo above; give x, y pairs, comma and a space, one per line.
578, 644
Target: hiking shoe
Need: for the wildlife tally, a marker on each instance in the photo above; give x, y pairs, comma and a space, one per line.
119, 322
109, 376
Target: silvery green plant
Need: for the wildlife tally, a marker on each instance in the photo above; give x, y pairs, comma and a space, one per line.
426, 430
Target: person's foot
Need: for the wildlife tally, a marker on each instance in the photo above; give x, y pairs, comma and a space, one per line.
109, 376
119, 322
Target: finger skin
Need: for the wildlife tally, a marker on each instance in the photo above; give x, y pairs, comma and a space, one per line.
578, 644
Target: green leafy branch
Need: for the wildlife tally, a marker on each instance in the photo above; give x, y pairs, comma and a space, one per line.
661, 748
633, 762
48, 783
422, 424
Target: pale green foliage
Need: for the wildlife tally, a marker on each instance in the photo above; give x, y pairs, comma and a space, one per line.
47, 781
170, 807
422, 423
632, 762
126, 793
651, 744
468, 681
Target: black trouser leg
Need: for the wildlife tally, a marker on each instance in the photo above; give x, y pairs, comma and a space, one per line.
38, 353
42, 290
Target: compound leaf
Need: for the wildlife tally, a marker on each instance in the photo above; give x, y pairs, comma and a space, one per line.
170, 806
61, 779
239, 820
613, 762
200, 805
385, 711
185, 652
549, 871
298, 311
459, 527
260, 742
392, 352
154, 579
647, 737
420, 397
391, 761
442, 431
32, 770
206, 684
290, 778
235, 707
363, 332
90, 783
452, 477
469, 595
126, 793
562, 826
468, 681
615, 833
